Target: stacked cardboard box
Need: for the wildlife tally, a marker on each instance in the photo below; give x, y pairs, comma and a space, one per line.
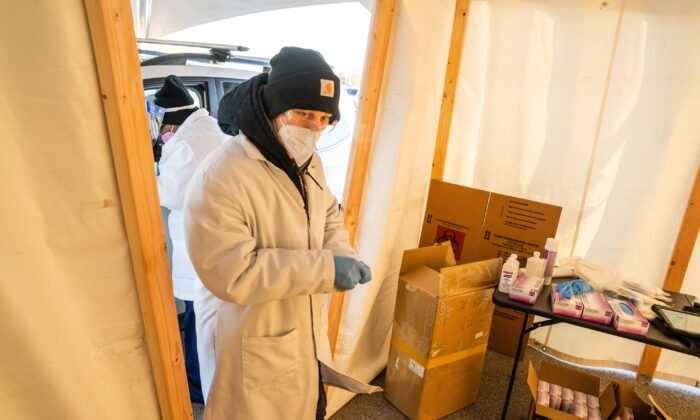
481, 225
441, 328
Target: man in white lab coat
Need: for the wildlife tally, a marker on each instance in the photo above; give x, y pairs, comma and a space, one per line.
266, 237
190, 134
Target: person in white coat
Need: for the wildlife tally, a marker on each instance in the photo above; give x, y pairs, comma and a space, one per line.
190, 134
266, 238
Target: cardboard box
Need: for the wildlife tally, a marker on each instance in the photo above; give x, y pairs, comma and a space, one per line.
574, 380
660, 412
505, 329
626, 397
480, 225
441, 328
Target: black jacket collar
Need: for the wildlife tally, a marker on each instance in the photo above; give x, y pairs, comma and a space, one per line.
242, 110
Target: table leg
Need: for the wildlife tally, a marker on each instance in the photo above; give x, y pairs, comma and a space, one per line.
523, 331
531, 413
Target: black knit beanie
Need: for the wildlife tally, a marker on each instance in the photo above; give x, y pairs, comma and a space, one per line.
178, 103
300, 78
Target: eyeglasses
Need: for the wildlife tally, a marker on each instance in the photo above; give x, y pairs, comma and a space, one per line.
314, 120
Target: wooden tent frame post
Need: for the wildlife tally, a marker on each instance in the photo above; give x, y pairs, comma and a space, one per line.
454, 64
116, 59
677, 267
376, 55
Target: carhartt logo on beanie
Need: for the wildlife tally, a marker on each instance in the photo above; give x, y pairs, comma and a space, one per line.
178, 103
300, 78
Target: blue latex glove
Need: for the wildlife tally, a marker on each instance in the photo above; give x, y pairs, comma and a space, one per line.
347, 272
365, 273
574, 287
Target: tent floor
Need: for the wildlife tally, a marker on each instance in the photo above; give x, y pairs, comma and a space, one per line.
680, 401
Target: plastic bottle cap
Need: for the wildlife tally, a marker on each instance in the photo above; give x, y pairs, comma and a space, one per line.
536, 254
513, 257
552, 244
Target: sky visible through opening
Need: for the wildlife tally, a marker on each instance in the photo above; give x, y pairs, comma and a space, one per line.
338, 31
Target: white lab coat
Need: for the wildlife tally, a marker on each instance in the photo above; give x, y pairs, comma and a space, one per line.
198, 135
271, 270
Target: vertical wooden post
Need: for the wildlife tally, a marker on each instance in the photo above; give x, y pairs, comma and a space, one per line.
370, 92
454, 63
682, 251
114, 46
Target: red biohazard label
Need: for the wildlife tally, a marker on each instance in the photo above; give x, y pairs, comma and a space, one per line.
455, 237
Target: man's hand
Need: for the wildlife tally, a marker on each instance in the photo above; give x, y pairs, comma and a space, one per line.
349, 272
365, 273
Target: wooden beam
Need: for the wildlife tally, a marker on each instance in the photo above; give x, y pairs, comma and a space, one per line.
454, 63
370, 92
114, 47
677, 267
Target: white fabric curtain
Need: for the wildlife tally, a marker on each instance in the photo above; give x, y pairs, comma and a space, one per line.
397, 182
71, 334
551, 92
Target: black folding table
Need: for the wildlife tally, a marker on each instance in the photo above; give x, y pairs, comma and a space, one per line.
543, 308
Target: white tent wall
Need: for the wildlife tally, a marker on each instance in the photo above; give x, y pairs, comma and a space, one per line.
72, 335
551, 92
397, 182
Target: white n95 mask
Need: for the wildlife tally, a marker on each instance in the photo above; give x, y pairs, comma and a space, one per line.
300, 142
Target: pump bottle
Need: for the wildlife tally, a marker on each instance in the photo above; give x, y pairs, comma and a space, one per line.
509, 273
551, 249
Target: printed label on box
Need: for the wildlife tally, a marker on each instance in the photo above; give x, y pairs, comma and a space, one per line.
519, 214
416, 367
455, 237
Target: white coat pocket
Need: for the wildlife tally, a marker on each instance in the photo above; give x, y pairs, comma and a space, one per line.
270, 359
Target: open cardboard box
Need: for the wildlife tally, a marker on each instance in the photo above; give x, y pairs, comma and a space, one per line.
569, 378
626, 397
481, 225
441, 328
612, 399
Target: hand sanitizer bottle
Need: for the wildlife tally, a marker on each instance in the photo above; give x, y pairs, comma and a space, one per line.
534, 266
509, 273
